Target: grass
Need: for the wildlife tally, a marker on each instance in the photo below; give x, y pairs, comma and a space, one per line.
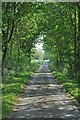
13, 87
70, 86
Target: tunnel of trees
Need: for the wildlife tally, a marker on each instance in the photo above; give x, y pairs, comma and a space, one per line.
58, 23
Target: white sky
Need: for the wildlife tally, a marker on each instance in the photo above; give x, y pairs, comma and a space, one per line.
40, 45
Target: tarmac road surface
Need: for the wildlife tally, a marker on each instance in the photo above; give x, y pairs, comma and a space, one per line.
44, 98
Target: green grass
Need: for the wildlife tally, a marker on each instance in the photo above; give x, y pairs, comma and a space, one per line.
70, 86
13, 86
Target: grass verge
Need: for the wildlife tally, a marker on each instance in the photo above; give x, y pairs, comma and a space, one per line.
69, 86
13, 86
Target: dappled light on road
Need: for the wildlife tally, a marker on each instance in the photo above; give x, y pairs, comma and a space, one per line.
44, 98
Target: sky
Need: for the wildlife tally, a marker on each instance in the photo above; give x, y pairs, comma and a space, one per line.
40, 45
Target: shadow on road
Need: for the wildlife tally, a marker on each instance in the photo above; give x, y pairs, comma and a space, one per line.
43, 98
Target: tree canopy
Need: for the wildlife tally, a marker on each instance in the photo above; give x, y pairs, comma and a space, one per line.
59, 23
26, 24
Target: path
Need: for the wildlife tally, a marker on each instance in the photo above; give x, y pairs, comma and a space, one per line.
43, 98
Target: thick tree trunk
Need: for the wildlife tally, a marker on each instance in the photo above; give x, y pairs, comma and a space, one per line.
6, 49
9, 39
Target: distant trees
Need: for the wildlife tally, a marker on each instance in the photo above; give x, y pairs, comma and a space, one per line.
38, 54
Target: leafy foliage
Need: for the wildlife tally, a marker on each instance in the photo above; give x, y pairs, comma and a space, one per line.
13, 85
70, 86
22, 23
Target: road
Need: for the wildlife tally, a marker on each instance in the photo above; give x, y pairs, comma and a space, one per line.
44, 98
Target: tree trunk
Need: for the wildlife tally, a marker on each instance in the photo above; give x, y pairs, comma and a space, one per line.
11, 50
75, 67
79, 42
18, 37
78, 52
60, 57
18, 44
6, 49
29, 56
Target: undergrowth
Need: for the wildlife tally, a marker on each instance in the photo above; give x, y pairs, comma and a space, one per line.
12, 86
70, 86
